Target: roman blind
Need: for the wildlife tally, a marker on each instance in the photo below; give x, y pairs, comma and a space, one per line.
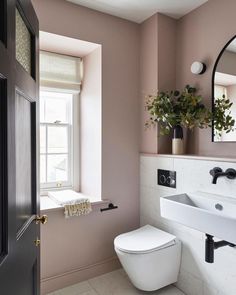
60, 69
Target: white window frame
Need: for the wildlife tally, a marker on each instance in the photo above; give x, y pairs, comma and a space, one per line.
221, 88
73, 139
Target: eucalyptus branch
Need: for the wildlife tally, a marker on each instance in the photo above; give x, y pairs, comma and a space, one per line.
177, 108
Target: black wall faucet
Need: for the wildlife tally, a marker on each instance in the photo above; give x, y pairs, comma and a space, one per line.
218, 172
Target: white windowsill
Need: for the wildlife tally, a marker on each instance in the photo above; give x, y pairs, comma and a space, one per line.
48, 205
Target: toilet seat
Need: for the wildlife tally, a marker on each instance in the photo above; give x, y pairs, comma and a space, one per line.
144, 240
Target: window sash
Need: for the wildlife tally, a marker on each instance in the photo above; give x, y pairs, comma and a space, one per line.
69, 105
74, 183
69, 183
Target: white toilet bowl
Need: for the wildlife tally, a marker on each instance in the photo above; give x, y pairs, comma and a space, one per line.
150, 257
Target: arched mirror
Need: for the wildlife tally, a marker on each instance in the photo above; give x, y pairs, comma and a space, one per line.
224, 94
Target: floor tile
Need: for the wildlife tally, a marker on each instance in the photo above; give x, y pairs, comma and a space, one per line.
91, 292
78, 289
110, 283
170, 290
113, 283
122, 272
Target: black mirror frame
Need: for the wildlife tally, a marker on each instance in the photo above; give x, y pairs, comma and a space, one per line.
213, 87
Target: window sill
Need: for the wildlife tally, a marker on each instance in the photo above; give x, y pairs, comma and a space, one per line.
48, 205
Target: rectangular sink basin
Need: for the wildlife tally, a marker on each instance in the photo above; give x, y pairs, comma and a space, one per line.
208, 213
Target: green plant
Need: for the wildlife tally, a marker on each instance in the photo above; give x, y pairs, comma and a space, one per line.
177, 108
223, 121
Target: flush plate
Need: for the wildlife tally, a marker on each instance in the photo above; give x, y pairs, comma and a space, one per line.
166, 178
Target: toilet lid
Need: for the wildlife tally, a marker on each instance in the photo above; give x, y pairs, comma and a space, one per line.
144, 239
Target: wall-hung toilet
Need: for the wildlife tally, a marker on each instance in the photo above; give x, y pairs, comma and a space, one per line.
150, 257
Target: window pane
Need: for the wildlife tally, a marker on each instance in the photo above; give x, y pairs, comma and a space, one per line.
23, 43
42, 169
42, 139
57, 168
55, 110
57, 107
57, 139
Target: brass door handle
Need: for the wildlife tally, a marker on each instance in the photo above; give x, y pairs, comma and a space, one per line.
41, 219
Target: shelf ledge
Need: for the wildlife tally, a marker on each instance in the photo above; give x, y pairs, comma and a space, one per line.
192, 157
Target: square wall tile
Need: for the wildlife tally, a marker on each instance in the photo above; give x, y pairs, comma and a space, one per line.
196, 276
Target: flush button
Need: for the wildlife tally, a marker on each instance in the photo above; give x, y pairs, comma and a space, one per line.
163, 179
166, 178
219, 207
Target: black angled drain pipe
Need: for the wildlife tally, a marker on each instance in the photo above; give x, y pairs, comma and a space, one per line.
211, 245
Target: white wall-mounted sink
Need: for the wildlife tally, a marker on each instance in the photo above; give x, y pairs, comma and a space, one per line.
208, 213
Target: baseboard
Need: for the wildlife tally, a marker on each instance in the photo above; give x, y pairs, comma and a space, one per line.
74, 276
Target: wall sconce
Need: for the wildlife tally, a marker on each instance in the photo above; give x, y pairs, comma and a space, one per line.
198, 68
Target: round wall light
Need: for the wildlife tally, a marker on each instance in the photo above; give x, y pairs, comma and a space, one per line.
198, 68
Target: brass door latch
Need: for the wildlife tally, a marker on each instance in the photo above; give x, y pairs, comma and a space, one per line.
37, 242
41, 219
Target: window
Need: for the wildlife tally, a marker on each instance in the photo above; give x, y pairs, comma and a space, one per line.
220, 91
56, 139
59, 130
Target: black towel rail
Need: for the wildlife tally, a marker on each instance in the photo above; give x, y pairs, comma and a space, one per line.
111, 206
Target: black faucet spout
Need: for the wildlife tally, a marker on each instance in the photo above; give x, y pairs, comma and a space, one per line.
217, 175
218, 172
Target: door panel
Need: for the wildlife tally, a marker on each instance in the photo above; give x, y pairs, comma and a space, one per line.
3, 167
3, 21
26, 273
19, 198
23, 161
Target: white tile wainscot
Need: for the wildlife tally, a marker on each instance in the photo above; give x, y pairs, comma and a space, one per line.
196, 276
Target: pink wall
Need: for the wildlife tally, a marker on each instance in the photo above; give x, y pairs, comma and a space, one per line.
148, 78
166, 52
166, 66
91, 125
201, 35
77, 249
157, 72
69, 247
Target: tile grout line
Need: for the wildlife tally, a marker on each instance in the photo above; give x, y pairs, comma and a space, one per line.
93, 288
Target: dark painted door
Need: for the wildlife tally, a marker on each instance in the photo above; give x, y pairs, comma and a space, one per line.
19, 253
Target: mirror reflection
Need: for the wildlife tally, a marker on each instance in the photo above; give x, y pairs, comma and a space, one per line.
224, 94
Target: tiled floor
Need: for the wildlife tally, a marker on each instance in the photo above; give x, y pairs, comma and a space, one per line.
113, 283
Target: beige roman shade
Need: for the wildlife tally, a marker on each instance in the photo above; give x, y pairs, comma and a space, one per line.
60, 70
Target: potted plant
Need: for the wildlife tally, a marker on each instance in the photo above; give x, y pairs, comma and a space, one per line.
176, 110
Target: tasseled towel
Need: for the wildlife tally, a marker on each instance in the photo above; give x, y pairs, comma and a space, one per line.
75, 204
